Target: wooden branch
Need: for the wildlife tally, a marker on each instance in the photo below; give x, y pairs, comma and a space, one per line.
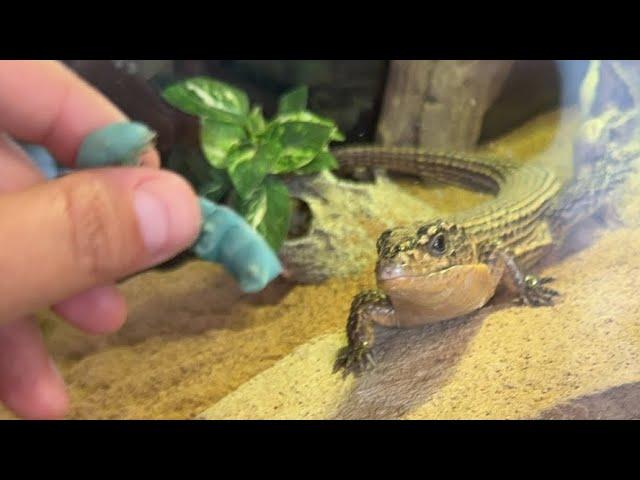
439, 103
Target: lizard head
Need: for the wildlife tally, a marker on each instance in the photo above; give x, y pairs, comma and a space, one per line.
423, 250
432, 273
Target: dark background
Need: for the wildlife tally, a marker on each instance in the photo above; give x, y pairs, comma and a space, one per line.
348, 91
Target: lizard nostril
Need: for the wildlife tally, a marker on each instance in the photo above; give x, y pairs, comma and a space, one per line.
403, 258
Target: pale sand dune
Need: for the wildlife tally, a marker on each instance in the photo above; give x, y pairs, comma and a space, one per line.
511, 362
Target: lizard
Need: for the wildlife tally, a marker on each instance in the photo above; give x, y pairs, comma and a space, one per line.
443, 268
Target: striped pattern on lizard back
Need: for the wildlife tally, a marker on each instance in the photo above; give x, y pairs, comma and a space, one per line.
523, 194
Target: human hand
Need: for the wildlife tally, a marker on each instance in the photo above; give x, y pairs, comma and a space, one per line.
65, 242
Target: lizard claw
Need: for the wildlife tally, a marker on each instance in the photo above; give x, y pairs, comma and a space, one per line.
543, 280
354, 359
536, 294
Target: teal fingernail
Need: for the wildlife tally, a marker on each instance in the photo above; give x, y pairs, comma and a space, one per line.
226, 238
116, 144
43, 159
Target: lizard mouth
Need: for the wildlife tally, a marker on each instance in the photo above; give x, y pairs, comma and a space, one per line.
442, 294
390, 272
387, 273
393, 276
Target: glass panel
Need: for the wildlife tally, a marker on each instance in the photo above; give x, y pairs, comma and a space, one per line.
381, 239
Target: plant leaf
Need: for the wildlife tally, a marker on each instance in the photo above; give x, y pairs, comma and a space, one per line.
293, 101
275, 224
217, 187
323, 161
218, 138
337, 135
298, 143
268, 210
248, 165
256, 123
190, 163
253, 208
308, 117
303, 116
206, 97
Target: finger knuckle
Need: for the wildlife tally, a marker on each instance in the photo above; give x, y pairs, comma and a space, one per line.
95, 236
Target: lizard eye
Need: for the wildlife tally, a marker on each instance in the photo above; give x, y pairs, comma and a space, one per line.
437, 245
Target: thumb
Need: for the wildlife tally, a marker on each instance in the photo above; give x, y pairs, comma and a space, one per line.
88, 229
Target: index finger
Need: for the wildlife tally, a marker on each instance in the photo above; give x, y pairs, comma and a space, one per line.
45, 103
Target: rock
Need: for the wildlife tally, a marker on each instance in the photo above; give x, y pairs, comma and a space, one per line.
610, 84
346, 219
610, 104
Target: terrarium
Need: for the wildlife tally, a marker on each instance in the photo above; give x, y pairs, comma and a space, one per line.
423, 239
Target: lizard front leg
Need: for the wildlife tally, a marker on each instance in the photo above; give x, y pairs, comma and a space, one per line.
368, 307
532, 290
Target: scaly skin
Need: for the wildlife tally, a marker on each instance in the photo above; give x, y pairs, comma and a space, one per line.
444, 268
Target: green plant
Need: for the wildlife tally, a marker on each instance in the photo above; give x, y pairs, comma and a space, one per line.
247, 156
